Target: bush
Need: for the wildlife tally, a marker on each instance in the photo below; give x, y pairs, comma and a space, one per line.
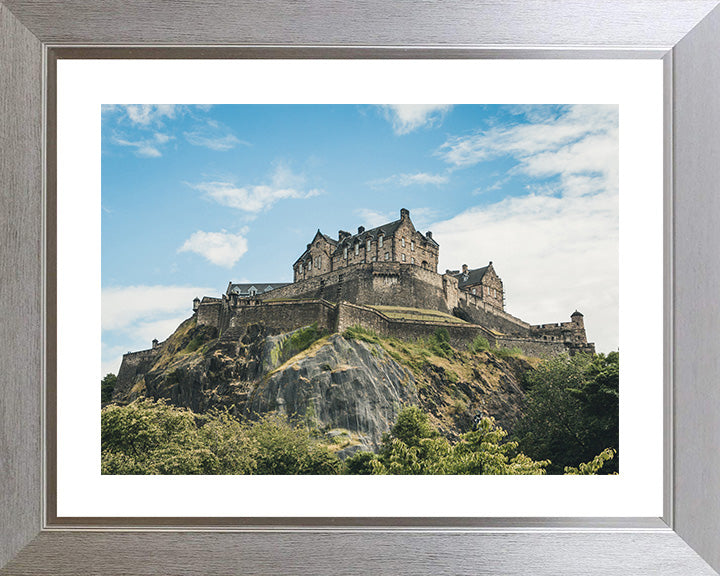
479, 344
147, 437
439, 343
107, 387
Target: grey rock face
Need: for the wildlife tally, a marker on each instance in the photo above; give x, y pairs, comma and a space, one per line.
342, 384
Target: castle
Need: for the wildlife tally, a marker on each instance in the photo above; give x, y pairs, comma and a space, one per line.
386, 279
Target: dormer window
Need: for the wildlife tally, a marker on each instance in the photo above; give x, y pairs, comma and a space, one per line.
380, 241
309, 265
345, 252
369, 245
357, 248
300, 269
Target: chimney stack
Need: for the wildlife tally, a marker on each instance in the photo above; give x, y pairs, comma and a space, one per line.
428, 234
404, 213
464, 269
361, 229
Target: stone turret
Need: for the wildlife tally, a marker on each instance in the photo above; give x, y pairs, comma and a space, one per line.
577, 318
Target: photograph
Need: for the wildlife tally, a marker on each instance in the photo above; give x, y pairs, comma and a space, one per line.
360, 289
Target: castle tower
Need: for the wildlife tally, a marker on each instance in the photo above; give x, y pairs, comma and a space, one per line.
577, 318
196, 303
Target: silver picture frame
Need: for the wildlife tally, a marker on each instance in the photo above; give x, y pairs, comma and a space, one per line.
685, 34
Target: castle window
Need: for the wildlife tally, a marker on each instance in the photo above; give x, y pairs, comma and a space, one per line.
474, 291
300, 269
387, 255
369, 244
309, 264
402, 242
318, 262
412, 260
412, 245
402, 257
380, 241
374, 258
345, 252
357, 248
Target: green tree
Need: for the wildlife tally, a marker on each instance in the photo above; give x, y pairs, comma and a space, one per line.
413, 446
571, 410
107, 387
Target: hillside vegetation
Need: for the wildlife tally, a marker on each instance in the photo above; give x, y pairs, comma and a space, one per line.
309, 402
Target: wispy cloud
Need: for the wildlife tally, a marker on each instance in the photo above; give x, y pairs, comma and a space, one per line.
406, 118
221, 248
405, 180
371, 218
145, 147
570, 135
566, 228
283, 184
147, 114
213, 135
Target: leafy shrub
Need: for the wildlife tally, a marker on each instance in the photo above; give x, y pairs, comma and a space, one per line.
439, 343
479, 344
507, 352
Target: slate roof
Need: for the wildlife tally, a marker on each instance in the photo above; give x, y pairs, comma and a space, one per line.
261, 287
387, 230
474, 277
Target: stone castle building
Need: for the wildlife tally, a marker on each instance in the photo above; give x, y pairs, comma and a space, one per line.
375, 278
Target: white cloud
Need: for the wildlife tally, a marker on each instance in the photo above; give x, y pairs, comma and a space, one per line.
136, 315
405, 180
525, 141
147, 114
372, 218
124, 306
213, 135
220, 248
146, 147
556, 248
554, 254
283, 184
406, 118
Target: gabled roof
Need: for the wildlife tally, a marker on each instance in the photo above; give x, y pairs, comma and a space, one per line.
325, 237
473, 276
386, 230
260, 287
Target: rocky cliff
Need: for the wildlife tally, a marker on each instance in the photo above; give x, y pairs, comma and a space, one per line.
352, 384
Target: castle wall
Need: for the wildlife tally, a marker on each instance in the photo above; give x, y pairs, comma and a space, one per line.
377, 283
490, 316
209, 313
280, 317
460, 334
531, 347
133, 366
568, 331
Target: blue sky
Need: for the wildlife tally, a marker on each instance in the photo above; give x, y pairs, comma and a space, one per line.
196, 196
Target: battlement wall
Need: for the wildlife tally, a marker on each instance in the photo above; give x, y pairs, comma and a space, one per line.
281, 317
460, 334
133, 365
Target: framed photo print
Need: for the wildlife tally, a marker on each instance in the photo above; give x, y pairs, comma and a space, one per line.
360, 293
